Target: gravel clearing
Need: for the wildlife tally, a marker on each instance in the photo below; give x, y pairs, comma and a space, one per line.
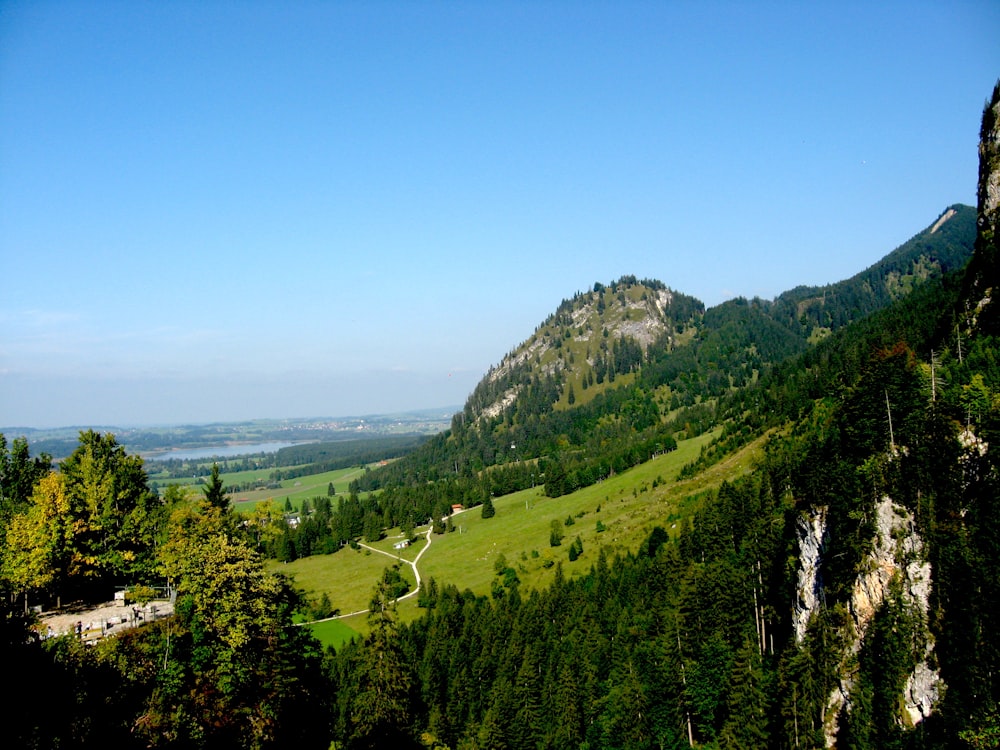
96, 622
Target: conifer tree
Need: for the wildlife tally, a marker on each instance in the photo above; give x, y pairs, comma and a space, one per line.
746, 724
488, 510
555, 534
382, 705
215, 493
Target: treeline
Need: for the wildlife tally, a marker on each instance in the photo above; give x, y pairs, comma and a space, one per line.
927, 256
791, 388
323, 527
927, 320
564, 474
581, 446
344, 453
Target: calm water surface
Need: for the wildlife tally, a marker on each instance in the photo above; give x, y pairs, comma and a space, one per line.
223, 451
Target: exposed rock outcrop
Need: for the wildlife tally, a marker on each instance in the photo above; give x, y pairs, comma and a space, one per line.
897, 555
983, 277
811, 533
631, 310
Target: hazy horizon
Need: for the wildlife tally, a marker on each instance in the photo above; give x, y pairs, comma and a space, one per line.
10, 431
218, 212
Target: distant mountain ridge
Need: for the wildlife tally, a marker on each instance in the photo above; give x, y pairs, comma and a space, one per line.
633, 363
611, 331
942, 247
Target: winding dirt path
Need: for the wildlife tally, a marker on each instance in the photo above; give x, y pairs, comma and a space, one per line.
412, 563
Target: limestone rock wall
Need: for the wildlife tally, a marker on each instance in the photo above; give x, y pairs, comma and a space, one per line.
897, 555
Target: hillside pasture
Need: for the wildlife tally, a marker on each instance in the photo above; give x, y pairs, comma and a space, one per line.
348, 576
628, 505
298, 489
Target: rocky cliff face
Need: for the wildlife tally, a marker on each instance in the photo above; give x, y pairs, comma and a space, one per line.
988, 196
811, 533
897, 556
984, 275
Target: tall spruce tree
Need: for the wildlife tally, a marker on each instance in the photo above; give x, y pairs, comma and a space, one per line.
215, 493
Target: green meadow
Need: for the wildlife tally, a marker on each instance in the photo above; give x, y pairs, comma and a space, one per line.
333, 632
298, 489
348, 576
295, 489
627, 506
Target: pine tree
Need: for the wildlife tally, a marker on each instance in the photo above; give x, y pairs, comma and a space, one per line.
555, 534
499, 718
625, 716
488, 510
215, 494
746, 724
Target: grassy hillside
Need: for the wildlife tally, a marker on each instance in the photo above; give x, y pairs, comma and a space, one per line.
628, 505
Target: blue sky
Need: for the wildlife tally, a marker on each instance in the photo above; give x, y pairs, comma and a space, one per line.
214, 211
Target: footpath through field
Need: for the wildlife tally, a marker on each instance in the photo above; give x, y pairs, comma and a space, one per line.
411, 563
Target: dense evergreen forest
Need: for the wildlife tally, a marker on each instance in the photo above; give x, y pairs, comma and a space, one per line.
842, 594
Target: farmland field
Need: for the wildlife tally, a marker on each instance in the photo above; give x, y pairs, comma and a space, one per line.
295, 489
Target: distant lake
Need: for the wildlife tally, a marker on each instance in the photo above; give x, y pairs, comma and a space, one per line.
223, 451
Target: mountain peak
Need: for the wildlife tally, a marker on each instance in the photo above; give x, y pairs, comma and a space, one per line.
589, 340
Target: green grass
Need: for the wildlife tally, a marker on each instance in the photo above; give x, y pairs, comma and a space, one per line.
299, 489
296, 489
333, 633
348, 576
630, 507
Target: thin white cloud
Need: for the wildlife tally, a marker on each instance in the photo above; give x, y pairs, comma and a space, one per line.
36, 318
52, 342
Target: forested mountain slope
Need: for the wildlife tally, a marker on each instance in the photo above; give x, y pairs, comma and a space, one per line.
615, 373
844, 595
942, 247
